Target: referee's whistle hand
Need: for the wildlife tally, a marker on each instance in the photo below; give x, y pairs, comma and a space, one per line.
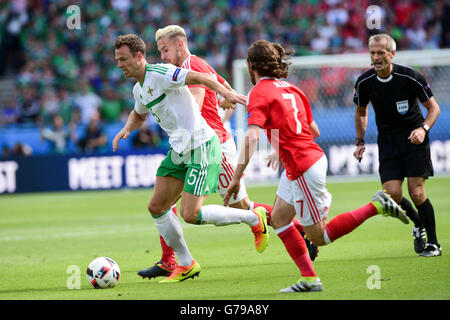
417, 136
358, 154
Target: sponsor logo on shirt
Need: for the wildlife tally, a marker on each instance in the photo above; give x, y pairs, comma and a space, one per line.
175, 74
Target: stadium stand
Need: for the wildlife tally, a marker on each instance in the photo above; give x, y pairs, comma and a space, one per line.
48, 70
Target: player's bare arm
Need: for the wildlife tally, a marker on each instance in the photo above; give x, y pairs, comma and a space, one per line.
205, 79
417, 136
314, 129
250, 144
226, 105
135, 121
361, 118
227, 85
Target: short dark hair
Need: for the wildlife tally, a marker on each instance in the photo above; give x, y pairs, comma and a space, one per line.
133, 42
269, 59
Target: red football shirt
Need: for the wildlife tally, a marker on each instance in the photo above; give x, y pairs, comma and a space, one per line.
284, 112
210, 102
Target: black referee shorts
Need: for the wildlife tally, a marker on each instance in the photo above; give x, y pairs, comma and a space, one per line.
399, 158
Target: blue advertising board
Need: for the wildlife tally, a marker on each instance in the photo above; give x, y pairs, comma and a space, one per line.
80, 172
138, 170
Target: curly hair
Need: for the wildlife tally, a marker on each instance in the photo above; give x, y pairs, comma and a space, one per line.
269, 59
133, 42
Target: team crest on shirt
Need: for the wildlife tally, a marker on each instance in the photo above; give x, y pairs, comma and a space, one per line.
402, 107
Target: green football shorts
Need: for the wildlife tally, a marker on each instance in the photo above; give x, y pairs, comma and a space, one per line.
199, 168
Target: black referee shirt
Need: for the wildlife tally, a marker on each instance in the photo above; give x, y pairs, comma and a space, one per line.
394, 99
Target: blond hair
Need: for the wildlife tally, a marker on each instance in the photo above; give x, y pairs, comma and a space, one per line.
391, 46
171, 31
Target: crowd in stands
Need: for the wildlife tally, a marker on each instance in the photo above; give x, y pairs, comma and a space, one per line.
67, 78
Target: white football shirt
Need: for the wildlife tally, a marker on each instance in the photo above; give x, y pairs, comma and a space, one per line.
163, 93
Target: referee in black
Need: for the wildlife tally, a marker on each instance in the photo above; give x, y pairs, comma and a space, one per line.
403, 143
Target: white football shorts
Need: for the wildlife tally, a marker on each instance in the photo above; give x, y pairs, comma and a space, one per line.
229, 163
308, 193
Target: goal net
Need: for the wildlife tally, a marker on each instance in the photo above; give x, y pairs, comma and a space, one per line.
328, 82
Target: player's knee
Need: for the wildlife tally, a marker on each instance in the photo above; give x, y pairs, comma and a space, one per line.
417, 196
155, 208
316, 233
396, 195
189, 215
190, 219
278, 220
316, 238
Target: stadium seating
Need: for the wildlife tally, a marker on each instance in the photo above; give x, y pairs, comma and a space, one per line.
44, 65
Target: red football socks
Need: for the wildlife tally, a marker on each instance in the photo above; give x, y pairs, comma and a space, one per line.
296, 247
348, 221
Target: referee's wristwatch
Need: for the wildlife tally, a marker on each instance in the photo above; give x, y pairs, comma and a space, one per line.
425, 127
359, 142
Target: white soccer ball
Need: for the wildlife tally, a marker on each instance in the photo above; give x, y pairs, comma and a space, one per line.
103, 272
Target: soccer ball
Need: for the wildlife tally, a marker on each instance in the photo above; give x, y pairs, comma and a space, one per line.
103, 273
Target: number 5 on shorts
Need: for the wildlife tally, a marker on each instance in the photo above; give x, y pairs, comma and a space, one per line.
193, 174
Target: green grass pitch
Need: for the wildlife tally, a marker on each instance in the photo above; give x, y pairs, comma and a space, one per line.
44, 237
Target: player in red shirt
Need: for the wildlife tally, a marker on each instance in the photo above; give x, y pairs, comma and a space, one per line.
283, 111
173, 46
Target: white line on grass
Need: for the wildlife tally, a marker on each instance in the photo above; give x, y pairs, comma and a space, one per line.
37, 235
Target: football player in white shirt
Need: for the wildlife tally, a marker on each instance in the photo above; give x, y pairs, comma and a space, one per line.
193, 163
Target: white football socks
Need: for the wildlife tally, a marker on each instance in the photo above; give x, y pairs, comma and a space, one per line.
222, 216
281, 229
169, 228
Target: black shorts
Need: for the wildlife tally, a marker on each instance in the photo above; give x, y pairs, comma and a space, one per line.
399, 158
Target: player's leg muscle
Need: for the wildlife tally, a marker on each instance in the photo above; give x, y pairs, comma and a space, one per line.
315, 232
416, 188
190, 206
282, 213
166, 192
394, 189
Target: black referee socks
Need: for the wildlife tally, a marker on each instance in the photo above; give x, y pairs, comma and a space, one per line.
411, 212
426, 213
